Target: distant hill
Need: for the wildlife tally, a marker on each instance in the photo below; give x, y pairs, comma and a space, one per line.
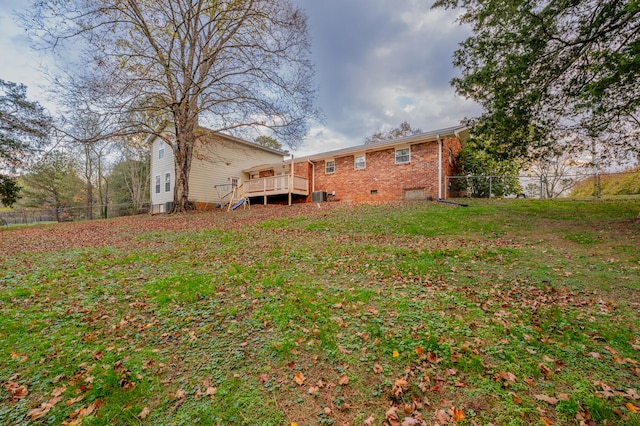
623, 183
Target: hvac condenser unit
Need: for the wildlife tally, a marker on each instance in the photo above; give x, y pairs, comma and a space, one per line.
318, 196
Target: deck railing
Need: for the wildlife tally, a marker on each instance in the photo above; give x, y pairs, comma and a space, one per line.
274, 185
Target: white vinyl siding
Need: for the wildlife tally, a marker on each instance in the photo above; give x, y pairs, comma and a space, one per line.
219, 162
403, 155
159, 169
360, 162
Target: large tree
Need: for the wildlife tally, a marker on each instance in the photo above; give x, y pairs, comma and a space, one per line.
229, 63
54, 182
24, 127
547, 69
403, 130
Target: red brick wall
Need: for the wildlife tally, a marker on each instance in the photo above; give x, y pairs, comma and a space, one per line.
387, 179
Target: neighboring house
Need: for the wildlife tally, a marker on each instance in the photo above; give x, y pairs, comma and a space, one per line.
217, 166
409, 168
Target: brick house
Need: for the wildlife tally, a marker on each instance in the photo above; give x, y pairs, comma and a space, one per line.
409, 168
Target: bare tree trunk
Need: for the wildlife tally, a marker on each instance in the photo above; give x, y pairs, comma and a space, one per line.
88, 174
185, 141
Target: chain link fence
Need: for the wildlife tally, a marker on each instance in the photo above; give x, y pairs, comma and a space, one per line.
577, 185
69, 214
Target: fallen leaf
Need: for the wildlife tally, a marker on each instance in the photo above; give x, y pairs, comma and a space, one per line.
546, 398
507, 377
299, 378
44, 408
516, 398
442, 417
369, 421
74, 400
313, 390
181, 394
458, 414
596, 355
632, 407
377, 368
262, 378
144, 413
546, 421
343, 380
16, 390
632, 394
411, 421
399, 386
344, 350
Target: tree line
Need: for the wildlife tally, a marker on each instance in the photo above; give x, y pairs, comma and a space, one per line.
553, 77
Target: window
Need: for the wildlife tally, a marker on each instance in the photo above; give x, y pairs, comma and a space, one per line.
157, 184
167, 182
161, 150
360, 162
403, 155
329, 166
234, 181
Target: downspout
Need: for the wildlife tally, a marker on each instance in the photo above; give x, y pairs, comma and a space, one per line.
291, 180
313, 175
439, 167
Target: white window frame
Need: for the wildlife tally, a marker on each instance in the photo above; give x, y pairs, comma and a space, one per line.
407, 155
360, 165
158, 186
235, 181
161, 150
329, 170
167, 182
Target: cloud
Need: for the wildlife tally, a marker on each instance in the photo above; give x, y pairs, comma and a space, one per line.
381, 62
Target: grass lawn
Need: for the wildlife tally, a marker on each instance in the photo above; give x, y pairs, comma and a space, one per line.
512, 312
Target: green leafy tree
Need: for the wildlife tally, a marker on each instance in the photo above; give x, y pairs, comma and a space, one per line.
544, 70
485, 175
269, 142
403, 130
24, 127
54, 182
231, 63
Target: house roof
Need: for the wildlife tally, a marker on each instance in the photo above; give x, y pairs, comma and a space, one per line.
230, 138
455, 131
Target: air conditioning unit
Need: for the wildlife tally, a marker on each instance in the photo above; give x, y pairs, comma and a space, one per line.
318, 196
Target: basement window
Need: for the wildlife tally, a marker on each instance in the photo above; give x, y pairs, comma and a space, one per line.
374, 191
360, 162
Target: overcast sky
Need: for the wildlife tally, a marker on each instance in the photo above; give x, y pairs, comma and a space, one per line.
378, 63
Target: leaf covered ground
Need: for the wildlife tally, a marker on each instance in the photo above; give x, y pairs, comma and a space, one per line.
506, 312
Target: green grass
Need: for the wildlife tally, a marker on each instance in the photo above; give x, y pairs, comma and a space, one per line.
244, 304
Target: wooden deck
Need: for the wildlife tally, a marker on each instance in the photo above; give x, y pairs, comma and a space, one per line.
277, 185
